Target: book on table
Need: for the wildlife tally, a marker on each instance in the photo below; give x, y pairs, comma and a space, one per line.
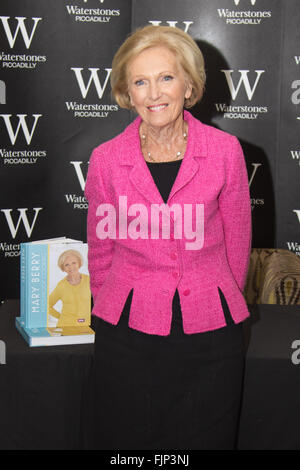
55, 296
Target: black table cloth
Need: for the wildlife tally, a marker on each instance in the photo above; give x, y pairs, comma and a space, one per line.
46, 400
42, 390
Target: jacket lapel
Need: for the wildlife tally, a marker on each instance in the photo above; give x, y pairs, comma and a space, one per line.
141, 178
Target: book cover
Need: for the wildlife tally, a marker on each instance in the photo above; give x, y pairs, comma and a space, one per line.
55, 296
55, 336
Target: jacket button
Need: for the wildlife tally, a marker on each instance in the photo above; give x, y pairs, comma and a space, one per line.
174, 255
175, 274
186, 292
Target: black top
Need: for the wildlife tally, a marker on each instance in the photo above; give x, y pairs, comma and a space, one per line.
164, 175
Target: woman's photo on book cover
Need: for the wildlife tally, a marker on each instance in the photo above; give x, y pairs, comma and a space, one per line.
69, 289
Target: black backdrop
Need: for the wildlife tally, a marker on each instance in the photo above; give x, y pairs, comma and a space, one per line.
56, 106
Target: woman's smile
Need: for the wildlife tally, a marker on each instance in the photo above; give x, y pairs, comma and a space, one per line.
157, 108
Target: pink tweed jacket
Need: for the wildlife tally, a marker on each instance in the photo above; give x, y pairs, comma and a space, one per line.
209, 205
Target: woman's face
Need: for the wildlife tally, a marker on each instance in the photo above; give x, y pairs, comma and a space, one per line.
71, 265
157, 86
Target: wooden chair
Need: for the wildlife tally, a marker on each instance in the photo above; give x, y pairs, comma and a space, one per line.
273, 277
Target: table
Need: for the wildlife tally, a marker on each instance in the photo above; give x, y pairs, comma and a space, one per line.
46, 400
43, 390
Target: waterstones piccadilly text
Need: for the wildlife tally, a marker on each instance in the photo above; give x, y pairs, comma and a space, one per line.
74, 10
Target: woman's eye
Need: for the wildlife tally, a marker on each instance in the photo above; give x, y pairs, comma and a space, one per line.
139, 82
168, 78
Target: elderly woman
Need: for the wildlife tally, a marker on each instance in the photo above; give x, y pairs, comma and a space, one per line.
73, 290
169, 235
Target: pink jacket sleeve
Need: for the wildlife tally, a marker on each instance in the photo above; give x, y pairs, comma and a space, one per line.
235, 208
100, 252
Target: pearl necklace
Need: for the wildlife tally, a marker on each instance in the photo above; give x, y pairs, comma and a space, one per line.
178, 154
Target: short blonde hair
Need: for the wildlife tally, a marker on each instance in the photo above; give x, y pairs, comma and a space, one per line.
62, 258
180, 43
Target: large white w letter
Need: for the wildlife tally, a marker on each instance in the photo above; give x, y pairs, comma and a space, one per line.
22, 123
93, 78
22, 216
173, 24
77, 166
21, 26
244, 79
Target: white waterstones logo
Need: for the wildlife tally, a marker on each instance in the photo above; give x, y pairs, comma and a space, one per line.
21, 157
21, 61
255, 201
78, 202
79, 174
185, 25
296, 156
97, 80
25, 28
10, 250
22, 124
22, 217
21, 27
94, 78
297, 59
92, 15
297, 212
243, 80
243, 17
254, 170
20, 129
241, 88
18, 156
294, 247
